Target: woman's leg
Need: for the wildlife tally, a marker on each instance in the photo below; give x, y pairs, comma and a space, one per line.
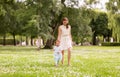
69, 55
62, 56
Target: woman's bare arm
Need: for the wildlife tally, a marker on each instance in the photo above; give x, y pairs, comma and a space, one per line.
70, 34
59, 34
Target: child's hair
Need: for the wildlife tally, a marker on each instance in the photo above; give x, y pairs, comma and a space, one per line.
56, 41
64, 19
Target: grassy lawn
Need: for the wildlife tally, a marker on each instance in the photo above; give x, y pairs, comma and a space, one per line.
86, 61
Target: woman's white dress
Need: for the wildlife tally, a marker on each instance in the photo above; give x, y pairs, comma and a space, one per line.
65, 41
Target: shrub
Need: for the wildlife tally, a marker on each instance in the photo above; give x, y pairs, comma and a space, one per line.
110, 44
8, 42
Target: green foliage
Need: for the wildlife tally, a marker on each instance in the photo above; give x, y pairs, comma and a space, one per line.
31, 28
117, 29
110, 44
113, 7
33, 18
46, 14
90, 1
114, 25
5, 8
100, 25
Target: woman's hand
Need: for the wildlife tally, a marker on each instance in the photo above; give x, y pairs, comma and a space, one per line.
58, 40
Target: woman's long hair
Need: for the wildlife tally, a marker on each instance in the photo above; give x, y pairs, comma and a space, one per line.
64, 19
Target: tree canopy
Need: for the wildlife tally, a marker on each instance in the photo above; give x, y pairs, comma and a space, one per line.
34, 18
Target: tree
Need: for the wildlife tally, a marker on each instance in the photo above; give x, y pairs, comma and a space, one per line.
113, 7
25, 17
99, 26
13, 24
55, 14
5, 15
3, 28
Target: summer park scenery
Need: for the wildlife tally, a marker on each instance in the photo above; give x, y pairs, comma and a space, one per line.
29, 29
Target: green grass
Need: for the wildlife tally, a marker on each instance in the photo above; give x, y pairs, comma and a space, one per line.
86, 61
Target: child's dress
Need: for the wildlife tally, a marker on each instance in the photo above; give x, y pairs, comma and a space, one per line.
65, 41
57, 54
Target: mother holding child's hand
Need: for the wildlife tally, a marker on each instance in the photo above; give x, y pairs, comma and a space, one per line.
64, 36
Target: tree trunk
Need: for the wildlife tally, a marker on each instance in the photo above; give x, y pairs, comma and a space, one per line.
103, 38
43, 42
82, 41
14, 40
26, 40
94, 39
21, 40
108, 38
63, 2
116, 38
49, 44
4, 39
31, 41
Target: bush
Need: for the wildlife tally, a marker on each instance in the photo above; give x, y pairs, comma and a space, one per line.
8, 42
110, 44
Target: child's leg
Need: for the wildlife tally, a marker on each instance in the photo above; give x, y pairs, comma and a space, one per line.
56, 61
59, 58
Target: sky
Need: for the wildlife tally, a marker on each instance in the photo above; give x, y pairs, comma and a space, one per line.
100, 5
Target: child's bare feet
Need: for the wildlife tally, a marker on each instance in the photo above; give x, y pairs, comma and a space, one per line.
56, 65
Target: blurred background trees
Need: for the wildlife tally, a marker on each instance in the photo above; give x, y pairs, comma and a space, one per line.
24, 20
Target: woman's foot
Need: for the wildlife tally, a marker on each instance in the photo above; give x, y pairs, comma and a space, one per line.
69, 64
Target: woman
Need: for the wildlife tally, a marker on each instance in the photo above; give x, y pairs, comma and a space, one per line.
64, 36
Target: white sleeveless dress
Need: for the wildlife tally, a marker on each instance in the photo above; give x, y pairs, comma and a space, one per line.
65, 41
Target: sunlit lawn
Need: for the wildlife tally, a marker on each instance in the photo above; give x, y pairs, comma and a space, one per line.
93, 61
